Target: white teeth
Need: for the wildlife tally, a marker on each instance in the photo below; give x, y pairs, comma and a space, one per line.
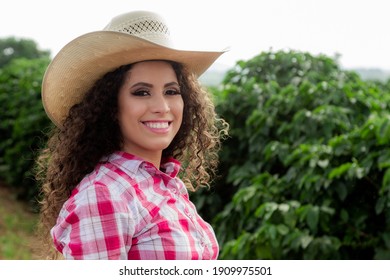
157, 124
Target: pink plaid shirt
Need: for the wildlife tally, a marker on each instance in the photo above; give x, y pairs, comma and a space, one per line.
128, 209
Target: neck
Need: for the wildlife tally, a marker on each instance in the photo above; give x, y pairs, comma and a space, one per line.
153, 157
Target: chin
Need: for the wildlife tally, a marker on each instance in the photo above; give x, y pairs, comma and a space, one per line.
159, 146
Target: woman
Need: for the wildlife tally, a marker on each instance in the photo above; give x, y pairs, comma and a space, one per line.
128, 109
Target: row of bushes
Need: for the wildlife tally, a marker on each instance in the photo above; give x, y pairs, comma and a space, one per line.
306, 172
22, 118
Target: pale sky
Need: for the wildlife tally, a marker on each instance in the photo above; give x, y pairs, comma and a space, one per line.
358, 30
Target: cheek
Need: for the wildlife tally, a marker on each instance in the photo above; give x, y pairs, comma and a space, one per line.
128, 113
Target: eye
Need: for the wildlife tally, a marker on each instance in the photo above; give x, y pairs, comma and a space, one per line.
141, 92
172, 92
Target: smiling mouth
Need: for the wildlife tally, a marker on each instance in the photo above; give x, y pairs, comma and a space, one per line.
157, 125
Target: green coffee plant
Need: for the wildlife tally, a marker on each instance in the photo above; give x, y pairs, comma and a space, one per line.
22, 122
307, 167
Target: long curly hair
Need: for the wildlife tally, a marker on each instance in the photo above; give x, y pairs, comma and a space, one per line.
91, 132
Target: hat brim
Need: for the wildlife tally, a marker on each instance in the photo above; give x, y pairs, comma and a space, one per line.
83, 61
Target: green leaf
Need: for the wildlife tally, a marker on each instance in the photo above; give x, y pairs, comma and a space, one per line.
386, 239
305, 241
282, 229
383, 132
385, 182
312, 218
340, 170
344, 215
384, 159
380, 205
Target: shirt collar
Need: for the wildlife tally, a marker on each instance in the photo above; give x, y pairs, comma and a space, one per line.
170, 166
132, 163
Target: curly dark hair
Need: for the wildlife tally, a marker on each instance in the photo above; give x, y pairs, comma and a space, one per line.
91, 131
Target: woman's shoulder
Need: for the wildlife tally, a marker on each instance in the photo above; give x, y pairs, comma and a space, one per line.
107, 181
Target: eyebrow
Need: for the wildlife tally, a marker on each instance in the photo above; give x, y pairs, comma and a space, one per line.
151, 85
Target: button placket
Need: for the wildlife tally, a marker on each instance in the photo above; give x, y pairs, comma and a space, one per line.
188, 214
200, 233
170, 184
199, 230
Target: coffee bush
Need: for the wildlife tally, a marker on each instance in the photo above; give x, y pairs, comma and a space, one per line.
22, 122
306, 170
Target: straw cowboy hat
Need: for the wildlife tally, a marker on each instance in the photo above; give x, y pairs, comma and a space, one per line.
128, 38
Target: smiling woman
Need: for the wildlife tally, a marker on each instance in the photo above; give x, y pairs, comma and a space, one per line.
128, 108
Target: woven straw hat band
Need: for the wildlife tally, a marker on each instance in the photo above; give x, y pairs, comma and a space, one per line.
151, 27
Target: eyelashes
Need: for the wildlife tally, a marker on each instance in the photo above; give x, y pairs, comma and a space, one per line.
140, 93
172, 92
146, 92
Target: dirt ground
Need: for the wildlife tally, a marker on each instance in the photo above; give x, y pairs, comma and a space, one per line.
17, 225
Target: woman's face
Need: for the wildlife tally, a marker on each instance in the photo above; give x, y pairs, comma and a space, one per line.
150, 109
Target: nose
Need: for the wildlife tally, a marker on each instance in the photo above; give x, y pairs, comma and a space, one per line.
160, 104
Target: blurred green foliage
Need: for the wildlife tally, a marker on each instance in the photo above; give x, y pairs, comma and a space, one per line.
306, 172
22, 121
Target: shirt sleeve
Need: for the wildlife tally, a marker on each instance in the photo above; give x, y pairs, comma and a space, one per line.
95, 224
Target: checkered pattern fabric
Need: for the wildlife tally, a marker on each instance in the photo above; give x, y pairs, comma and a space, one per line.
128, 209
